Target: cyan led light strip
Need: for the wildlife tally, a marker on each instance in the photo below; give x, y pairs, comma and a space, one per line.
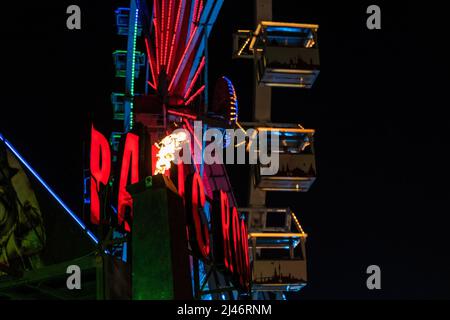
47, 187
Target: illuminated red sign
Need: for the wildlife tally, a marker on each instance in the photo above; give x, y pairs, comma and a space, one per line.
230, 238
100, 170
195, 202
130, 164
228, 233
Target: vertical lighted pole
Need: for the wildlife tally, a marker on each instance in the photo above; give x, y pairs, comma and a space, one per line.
261, 108
262, 112
131, 64
262, 102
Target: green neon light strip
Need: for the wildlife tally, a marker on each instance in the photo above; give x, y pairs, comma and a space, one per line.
133, 68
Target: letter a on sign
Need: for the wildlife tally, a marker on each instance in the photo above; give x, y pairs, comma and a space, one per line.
130, 162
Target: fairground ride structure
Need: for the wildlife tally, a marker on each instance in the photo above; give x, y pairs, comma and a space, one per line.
179, 233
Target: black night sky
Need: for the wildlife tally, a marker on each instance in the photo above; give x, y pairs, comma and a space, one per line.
378, 107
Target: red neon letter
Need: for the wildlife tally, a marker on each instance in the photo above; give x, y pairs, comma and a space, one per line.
130, 160
246, 274
202, 234
181, 179
236, 231
225, 214
100, 170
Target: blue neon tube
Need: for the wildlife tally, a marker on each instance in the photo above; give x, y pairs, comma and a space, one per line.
47, 187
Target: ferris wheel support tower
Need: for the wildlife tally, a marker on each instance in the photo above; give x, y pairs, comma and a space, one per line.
262, 102
284, 55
